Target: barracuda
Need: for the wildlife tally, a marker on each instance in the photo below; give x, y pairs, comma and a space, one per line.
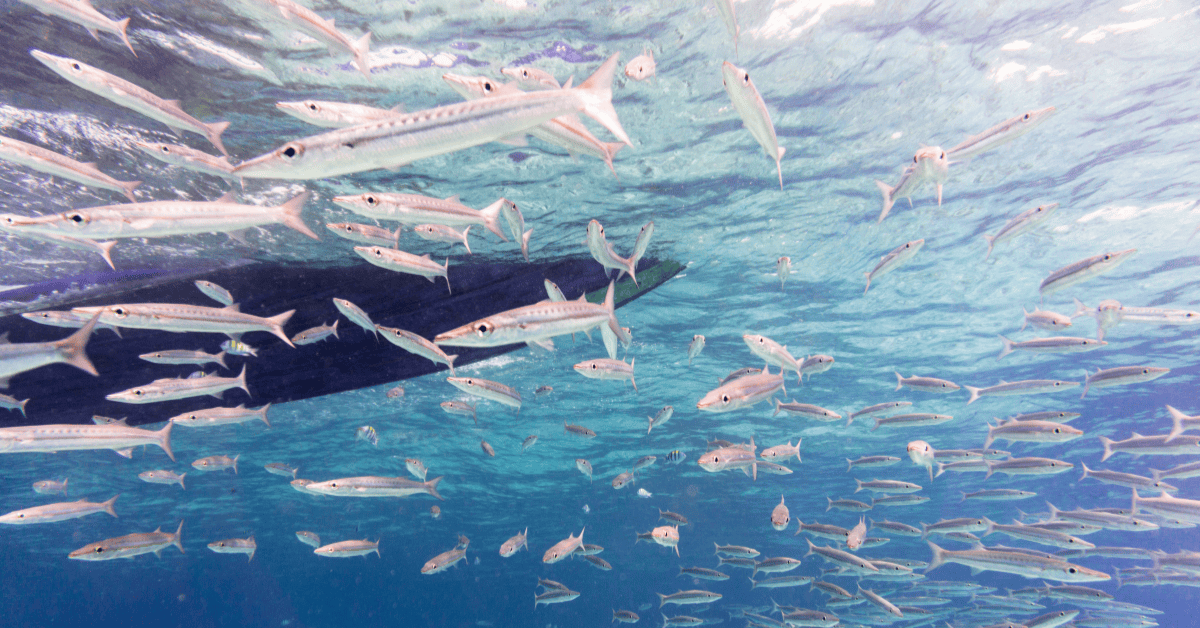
742, 392
415, 344
334, 115
488, 389
1002, 133
404, 262
19, 357
84, 14
1083, 270
131, 545
171, 388
536, 324
414, 209
374, 486
1021, 223
157, 219
898, 257
346, 549
52, 163
70, 437
58, 512
1019, 563
190, 158
128, 95
406, 138
179, 318
305, 20
753, 111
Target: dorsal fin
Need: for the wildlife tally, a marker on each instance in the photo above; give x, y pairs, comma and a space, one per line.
233, 307
174, 103
453, 199
225, 198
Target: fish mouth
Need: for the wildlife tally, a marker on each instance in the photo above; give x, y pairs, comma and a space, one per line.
261, 166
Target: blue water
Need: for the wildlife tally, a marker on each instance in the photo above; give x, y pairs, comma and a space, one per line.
854, 88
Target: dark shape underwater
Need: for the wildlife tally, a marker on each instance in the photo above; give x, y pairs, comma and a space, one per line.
63, 394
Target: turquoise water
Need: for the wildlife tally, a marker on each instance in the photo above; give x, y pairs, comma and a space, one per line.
853, 89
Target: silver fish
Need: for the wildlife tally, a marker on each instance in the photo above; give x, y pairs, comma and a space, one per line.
444, 561
189, 158
416, 468
780, 518
375, 486
415, 344
642, 66
442, 233
872, 462
603, 252
402, 262
694, 596
1025, 466
216, 463
130, 545
750, 106
578, 430
1127, 480
1050, 321
161, 476
1121, 375
9, 402
555, 596
487, 448
128, 95
1002, 133
604, 368
929, 164
367, 234
279, 468
488, 389
662, 416
920, 419
731, 458
529, 441
63, 511
310, 539
184, 356
356, 315
783, 268
84, 14
174, 388
347, 549
928, 384
414, 209
806, 410
315, 334
536, 323
334, 115
180, 318
71, 437
58, 165
516, 226
584, 467
563, 548
1018, 563
898, 257
771, 352
742, 393
1031, 432
305, 20
1056, 344
532, 78
1163, 444
50, 487
409, 137
1082, 270
235, 546
1024, 387
460, 408
1020, 224
212, 417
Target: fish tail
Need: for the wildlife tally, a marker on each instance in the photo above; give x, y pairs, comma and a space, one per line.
263, 415
987, 442
465, 243
108, 505
220, 359
939, 557
446, 270
289, 215
164, 439
106, 252
888, 201
1080, 309
525, 245
241, 380
778, 168
22, 409
829, 507
609, 149
431, 487
361, 48
128, 187
662, 601
1156, 474
71, 350
991, 240
333, 330
215, 129
450, 359
1133, 508
596, 96
181, 481
1108, 452
1177, 418
974, 394
178, 542
122, 28
991, 526
990, 470
1085, 471
868, 283
65, 480
235, 459
277, 322
491, 218
878, 421
860, 488
1008, 348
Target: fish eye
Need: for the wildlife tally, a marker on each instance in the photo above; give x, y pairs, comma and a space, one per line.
138, 393
333, 485
594, 366
312, 106
1072, 570
725, 398
483, 329
75, 66
525, 74
77, 218
943, 155
1026, 117
166, 149
378, 253
746, 78
914, 159
487, 86
21, 516
99, 550
371, 200
1144, 371
291, 151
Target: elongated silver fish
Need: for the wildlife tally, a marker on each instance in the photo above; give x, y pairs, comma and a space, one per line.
1019, 563
750, 106
1032, 432
8, 402
898, 257
771, 352
532, 78
602, 251
1128, 480
414, 209
305, 20
212, 417
413, 343
1050, 321
406, 138
315, 334
1120, 376
189, 158
536, 324
374, 486
53, 163
356, 315
367, 234
605, 368
731, 458
566, 132
84, 14
1021, 223
235, 546
131, 545
180, 388
161, 476
806, 410
180, 318
346, 549
184, 356
17, 358
920, 419
444, 561
929, 164
1000, 134
130, 96
1024, 387
563, 548
1022, 466
488, 389
334, 115
1082, 270
1057, 344
1160, 445
928, 384
63, 511
156, 219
